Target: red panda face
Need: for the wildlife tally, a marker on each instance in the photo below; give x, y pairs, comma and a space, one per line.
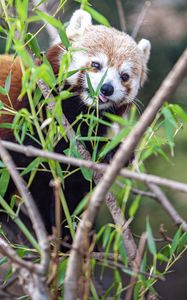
110, 60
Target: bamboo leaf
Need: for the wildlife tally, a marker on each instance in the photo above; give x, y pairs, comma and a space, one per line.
150, 239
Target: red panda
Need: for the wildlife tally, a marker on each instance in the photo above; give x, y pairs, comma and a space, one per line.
102, 54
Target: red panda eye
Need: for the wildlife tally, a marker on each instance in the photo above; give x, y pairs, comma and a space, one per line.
125, 77
96, 65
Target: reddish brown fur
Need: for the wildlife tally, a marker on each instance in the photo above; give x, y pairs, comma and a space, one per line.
53, 56
128, 86
9, 64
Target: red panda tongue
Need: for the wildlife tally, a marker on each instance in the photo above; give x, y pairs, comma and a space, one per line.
103, 98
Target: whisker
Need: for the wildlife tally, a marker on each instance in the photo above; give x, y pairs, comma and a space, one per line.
139, 110
139, 101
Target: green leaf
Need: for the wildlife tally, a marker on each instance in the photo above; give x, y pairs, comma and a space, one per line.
4, 181
3, 91
9, 42
182, 242
150, 239
166, 250
106, 236
136, 292
61, 272
64, 38
45, 73
175, 241
32, 166
33, 44
162, 257
115, 141
179, 111
1, 104
90, 87
49, 19
134, 206
75, 153
122, 251
97, 16
22, 9
101, 82
3, 30
169, 124
3, 260
82, 205
97, 120
13, 201
120, 120
2, 165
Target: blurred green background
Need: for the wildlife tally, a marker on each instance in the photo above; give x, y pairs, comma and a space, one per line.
165, 25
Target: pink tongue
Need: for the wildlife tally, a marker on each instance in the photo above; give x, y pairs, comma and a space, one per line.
103, 98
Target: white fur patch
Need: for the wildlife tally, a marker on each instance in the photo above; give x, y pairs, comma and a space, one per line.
79, 60
78, 23
145, 48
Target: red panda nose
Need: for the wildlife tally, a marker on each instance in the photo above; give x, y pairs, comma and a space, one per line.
107, 89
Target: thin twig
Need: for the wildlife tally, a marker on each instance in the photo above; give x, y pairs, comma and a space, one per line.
166, 204
122, 267
121, 14
156, 240
137, 265
7, 251
169, 85
136, 191
140, 19
163, 233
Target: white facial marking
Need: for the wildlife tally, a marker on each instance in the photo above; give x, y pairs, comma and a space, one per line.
79, 60
112, 76
124, 92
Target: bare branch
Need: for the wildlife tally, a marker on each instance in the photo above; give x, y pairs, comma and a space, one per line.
31, 280
121, 14
166, 204
137, 265
122, 156
101, 168
32, 210
7, 251
140, 19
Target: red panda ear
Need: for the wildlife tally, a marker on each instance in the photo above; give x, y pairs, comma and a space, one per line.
78, 23
145, 49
